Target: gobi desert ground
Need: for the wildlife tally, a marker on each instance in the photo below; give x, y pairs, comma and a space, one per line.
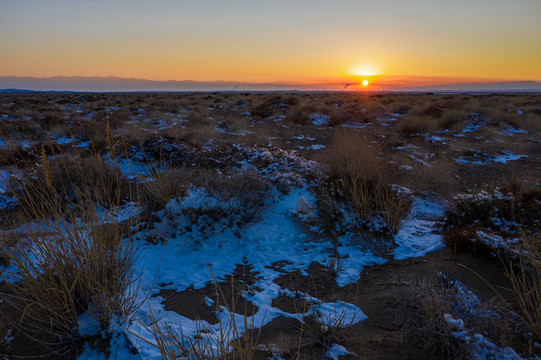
270, 225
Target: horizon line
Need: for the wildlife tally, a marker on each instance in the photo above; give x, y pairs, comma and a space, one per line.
381, 83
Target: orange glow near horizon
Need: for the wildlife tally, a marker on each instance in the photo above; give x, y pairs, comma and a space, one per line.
313, 42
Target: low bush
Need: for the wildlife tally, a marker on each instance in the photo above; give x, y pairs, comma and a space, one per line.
52, 119
508, 209
466, 239
449, 320
214, 203
413, 123
273, 105
241, 195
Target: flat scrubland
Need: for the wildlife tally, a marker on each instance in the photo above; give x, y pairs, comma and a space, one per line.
270, 226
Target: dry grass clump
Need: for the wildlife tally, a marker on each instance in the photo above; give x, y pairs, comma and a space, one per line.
431, 115
274, 105
444, 318
165, 184
298, 115
322, 326
358, 179
18, 155
73, 259
348, 113
525, 277
52, 119
301, 113
350, 154
466, 239
439, 177
412, 124
67, 178
20, 129
532, 123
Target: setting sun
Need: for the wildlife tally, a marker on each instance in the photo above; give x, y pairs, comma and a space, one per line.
365, 82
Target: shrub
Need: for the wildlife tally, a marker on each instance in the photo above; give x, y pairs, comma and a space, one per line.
298, 115
513, 209
465, 239
118, 118
444, 318
412, 124
274, 105
242, 195
216, 202
52, 119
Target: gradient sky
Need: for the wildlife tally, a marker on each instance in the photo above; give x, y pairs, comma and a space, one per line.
279, 40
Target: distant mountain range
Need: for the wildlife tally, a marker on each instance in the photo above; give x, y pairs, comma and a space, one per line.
118, 84
479, 86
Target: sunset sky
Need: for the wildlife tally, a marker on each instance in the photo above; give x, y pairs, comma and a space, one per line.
265, 41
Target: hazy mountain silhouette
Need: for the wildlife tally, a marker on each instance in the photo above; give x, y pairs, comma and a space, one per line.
479, 86
114, 84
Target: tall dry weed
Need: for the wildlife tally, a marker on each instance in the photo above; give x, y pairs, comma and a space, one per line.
525, 278
74, 258
358, 175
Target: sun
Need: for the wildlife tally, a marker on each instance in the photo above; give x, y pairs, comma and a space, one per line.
365, 82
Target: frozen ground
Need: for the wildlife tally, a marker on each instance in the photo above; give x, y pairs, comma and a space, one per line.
288, 238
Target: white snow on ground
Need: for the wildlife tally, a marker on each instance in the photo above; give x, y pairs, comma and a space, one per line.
278, 237
503, 157
302, 137
241, 132
319, 119
337, 350
118, 349
180, 262
14, 144
122, 213
512, 131
356, 125
417, 237
435, 139
330, 314
312, 147
481, 348
5, 175
6, 201
132, 170
63, 140
473, 126
387, 118
506, 156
